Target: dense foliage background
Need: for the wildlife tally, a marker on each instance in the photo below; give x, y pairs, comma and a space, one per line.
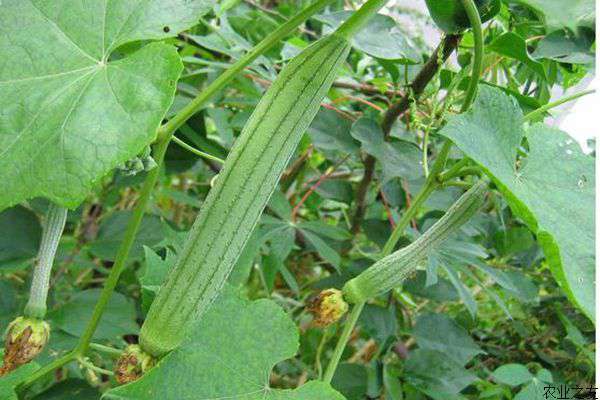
483, 318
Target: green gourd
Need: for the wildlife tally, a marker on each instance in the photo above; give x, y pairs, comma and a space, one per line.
244, 186
391, 271
451, 17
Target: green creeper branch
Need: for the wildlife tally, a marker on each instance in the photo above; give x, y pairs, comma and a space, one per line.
195, 151
545, 108
475, 20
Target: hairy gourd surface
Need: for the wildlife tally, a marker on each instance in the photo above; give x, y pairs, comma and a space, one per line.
392, 270
242, 190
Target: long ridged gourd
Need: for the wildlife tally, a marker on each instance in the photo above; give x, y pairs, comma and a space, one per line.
244, 186
391, 271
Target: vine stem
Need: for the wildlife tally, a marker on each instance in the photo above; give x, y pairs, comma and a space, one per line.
540, 111
164, 135
475, 19
195, 151
56, 217
342, 341
106, 349
430, 184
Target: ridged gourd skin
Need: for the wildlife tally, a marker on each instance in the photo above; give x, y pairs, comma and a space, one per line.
241, 192
451, 17
391, 271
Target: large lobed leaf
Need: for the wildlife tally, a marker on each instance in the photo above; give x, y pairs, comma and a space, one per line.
559, 14
551, 189
68, 112
228, 355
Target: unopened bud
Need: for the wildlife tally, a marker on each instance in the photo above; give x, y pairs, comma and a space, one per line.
328, 307
132, 364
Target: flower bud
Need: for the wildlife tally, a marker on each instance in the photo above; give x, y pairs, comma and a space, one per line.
328, 307
132, 364
25, 339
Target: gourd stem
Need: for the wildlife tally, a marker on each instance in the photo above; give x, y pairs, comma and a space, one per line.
475, 20
359, 18
167, 130
343, 341
56, 216
547, 107
164, 135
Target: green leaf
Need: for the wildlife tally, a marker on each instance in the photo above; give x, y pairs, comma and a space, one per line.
228, 355
280, 205
523, 287
391, 380
153, 274
244, 264
60, 343
351, 380
112, 231
514, 46
330, 131
118, 318
439, 332
71, 112
21, 234
441, 291
436, 374
380, 38
325, 229
536, 389
465, 294
270, 266
9, 304
336, 189
10, 381
70, 389
513, 240
512, 374
398, 158
380, 323
575, 336
563, 47
324, 250
552, 189
558, 15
